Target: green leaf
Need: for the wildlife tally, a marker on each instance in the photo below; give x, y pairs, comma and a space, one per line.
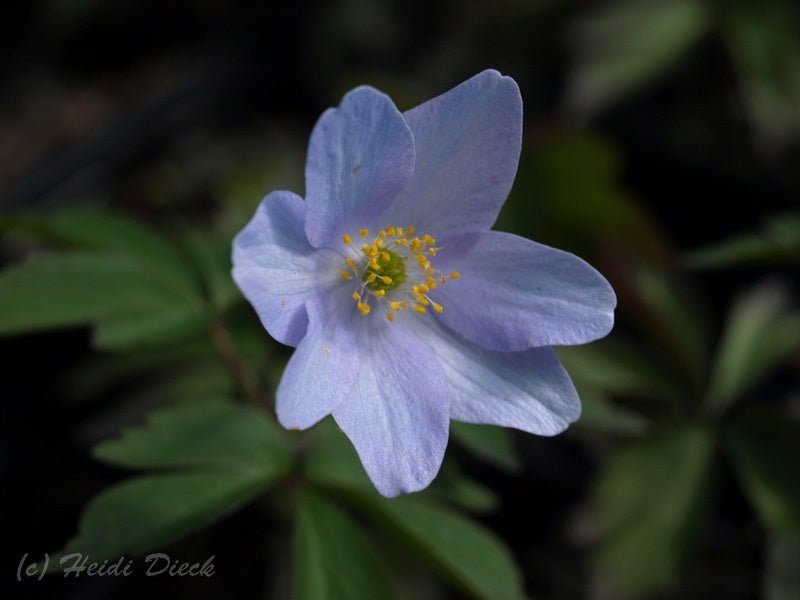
766, 451
762, 38
782, 578
126, 279
617, 368
108, 232
675, 320
214, 434
652, 491
148, 330
600, 414
134, 403
219, 455
150, 511
451, 485
211, 254
469, 555
628, 45
493, 445
761, 332
579, 213
333, 558
332, 461
190, 368
776, 243
50, 291
202, 380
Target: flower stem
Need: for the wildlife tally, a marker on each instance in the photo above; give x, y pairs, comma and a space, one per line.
230, 356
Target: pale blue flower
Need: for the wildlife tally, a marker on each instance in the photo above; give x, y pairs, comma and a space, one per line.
406, 310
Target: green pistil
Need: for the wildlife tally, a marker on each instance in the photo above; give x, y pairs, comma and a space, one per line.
395, 268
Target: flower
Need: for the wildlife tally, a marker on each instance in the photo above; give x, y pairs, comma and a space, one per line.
405, 309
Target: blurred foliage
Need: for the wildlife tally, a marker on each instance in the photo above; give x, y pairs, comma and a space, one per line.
333, 557
783, 568
761, 333
465, 553
776, 243
763, 448
560, 214
219, 455
627, 45
764, 42
149, 293
654, 490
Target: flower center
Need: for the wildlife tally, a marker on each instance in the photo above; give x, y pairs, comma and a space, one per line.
391, 265
395, 270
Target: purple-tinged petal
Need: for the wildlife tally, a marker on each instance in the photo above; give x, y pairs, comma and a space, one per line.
324, 368
515, 294
527, 390
468, 143
275, 267
360, 156
397, 416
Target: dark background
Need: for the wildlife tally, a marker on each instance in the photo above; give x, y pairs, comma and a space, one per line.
162, 108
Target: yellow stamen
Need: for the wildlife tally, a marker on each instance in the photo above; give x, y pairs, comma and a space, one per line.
384, 262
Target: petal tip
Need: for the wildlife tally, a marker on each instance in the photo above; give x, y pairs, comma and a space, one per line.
363, 91
395, 487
